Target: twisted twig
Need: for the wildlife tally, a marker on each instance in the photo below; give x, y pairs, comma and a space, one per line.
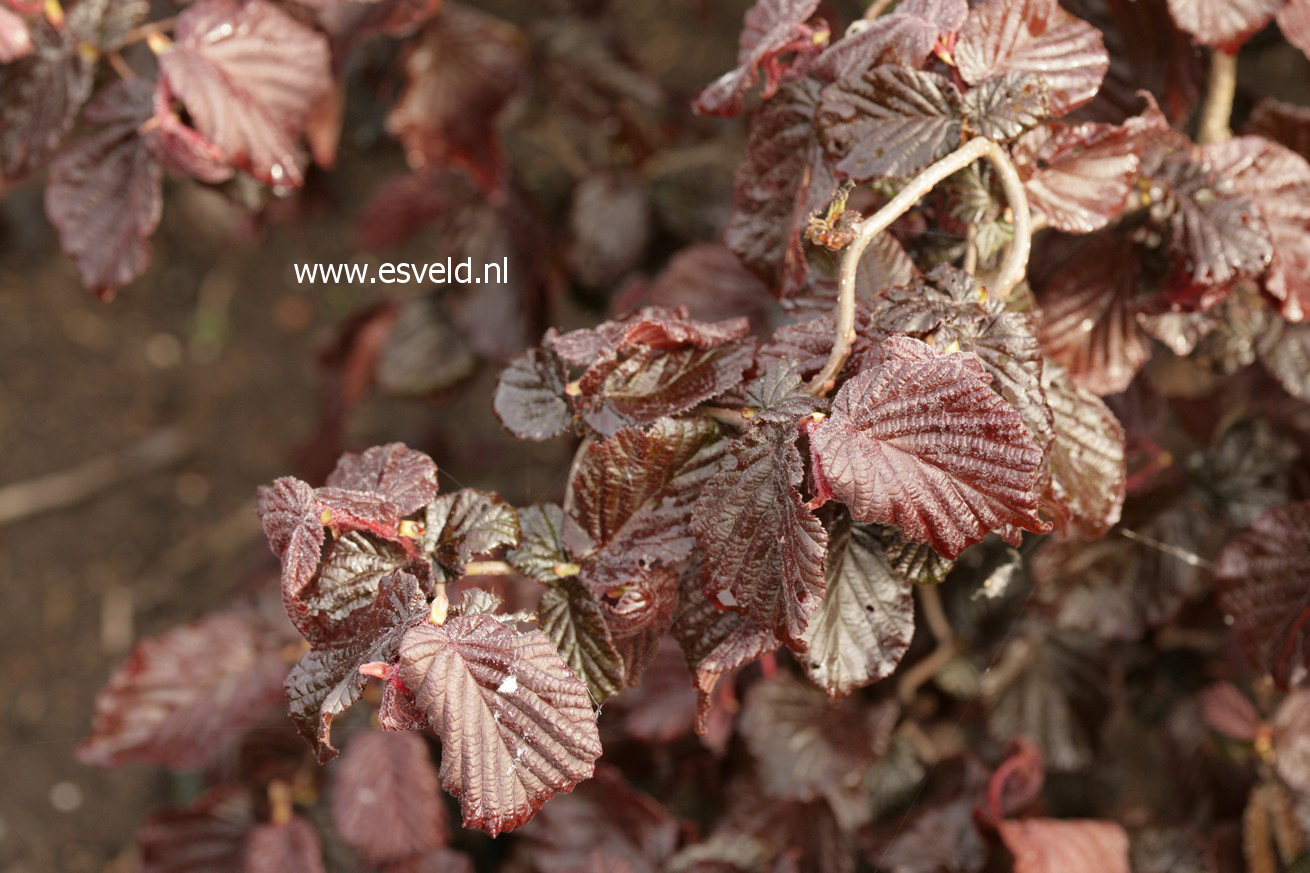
1011, 271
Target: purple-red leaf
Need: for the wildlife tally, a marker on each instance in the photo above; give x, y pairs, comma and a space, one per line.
290, 847
904, 37
808, 745
610, 220
1291, 726
516, 725
771, 29
209, 836
461, 72
1035, 37
757, 540
576, 622
326, 682
1262, 577
386, 802
1285, 353
464, 525
1088, 472
783, 177
293, 523
1079, 178
1285, 123
633, 493
248, 74
1046, 845
921, 441
1276, 180
865, 624
183, 697
103, 195
530, 400
405, 478
40, 96
1223, 24
1087, 288
891, 121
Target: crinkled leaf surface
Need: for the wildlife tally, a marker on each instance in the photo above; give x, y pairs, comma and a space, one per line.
1080, 177
782, 178
290, 847
1216, 232
777, 395
633, 492
807, 744
349, 577
1047, 845
540, 552
757, 540
405, 478
921, 441
326, 682
905, 37
1223, 24
385, 799
460, 74
181, 698
1286, 355
891, 121
103, 195
864, 626
1277, 182
715, 641
1088, 473
1036, 37
771, 28
576, 623
1002, 107
516, 725
248, 74
947, 309
1262, 578
465, 524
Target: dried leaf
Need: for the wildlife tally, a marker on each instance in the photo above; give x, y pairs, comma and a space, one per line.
922, 442
183, 697
516, 725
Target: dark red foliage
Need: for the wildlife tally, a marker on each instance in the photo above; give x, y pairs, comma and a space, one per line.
977, 544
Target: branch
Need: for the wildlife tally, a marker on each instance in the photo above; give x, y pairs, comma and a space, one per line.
1010, 273
930, 604
1219, 93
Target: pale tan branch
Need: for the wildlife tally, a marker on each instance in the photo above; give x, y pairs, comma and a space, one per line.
1012, 267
